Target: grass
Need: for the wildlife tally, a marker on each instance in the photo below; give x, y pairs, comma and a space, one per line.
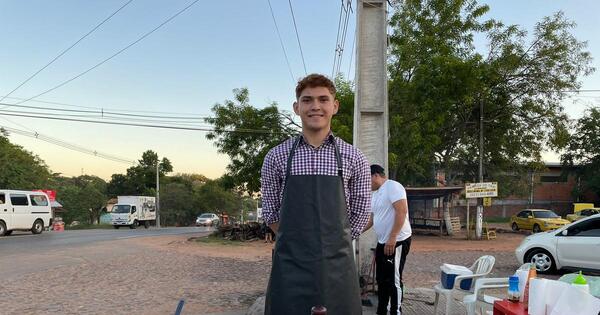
88, 226
497, 220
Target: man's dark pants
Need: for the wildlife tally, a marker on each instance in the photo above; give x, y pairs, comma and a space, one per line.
390, 288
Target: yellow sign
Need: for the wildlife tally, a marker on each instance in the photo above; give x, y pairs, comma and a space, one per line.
481, 190
487, 202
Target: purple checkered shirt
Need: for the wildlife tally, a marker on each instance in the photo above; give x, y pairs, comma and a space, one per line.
308, 160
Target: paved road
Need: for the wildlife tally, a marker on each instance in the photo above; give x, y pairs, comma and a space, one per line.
21, 242
22, 253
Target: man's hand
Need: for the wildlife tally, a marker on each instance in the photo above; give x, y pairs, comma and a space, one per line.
274, 227
390, 247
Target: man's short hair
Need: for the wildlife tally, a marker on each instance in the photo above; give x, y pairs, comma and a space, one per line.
377, 169
314, 80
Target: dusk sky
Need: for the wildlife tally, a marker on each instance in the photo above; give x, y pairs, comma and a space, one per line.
187, 66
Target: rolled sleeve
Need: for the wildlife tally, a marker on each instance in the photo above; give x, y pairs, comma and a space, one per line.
360, 195
270, 187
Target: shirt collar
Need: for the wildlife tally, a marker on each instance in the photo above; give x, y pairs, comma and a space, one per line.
328, 139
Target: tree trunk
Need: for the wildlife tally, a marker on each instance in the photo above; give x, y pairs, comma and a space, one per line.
447, 221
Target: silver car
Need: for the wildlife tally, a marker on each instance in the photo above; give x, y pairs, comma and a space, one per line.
207, 219
574, 246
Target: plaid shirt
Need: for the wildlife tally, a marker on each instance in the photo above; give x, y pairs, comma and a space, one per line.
308, 160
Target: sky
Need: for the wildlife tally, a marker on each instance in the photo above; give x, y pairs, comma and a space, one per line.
187, 66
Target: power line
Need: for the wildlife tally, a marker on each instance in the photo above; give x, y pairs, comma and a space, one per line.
103, 112
107, 118
351, 55
239, 130
67, 145
104, 108
66, 50
297, 36
345, 11
281, 41
112, 56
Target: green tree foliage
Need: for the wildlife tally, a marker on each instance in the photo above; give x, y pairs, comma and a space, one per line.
139, 179
82, 197
343, 122
583, 150
245, 134
21, 169
185, 196
439, 80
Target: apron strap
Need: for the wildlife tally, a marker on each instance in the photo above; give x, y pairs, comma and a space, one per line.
338, 156
288, 168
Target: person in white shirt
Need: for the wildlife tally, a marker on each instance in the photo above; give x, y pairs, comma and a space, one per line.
389, 217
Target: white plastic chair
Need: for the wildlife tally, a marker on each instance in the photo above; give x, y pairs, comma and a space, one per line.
481, 268
478, 300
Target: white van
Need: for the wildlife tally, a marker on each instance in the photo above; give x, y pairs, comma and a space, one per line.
24, 210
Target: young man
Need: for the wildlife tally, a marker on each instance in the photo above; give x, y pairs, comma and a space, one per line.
316, 198
389, 217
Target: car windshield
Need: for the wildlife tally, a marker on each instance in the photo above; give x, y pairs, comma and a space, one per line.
545, 214
205, 216
121, 209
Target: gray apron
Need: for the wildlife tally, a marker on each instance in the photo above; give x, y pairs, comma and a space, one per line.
313, 262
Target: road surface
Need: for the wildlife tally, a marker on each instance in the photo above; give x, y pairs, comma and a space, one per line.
24, 252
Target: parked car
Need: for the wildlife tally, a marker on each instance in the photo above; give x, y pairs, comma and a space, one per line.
573, 246
207, 219
536, 220
582, 214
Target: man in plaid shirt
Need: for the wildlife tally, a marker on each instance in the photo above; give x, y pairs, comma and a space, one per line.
316, 193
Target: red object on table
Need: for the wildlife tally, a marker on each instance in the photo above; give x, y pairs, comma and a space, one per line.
506, 307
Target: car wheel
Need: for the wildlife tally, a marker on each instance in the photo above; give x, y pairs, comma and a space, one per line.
514, 226
134, 225
543, 261
3, 229
536, 228
38, 227
146, 224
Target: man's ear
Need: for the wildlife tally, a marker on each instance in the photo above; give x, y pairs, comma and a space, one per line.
296, 108
336, 106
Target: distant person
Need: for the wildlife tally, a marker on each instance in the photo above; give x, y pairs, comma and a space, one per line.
316, 198
268, 233
389, 218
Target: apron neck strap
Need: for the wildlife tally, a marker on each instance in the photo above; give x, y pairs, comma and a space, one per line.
338, 157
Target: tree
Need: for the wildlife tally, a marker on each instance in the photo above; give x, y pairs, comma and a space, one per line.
439, 81
82, 197
21, 169
140, 179
583, 150
246, 134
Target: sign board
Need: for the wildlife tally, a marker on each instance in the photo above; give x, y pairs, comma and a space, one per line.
487, 201
481, 190
51, 193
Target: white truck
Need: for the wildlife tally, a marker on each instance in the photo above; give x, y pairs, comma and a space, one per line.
133, 211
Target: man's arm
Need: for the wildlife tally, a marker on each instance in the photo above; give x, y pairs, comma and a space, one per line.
359, 186
270, 187
400, 210
369, 224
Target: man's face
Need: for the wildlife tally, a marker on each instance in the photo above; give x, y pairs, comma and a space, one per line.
316, 106
374, 182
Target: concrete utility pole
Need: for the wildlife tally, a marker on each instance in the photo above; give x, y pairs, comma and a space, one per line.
479, 217
158, 193
371, 99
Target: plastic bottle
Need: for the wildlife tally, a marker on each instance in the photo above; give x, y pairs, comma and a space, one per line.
532, 274
318, 310
580, 283
513, 289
